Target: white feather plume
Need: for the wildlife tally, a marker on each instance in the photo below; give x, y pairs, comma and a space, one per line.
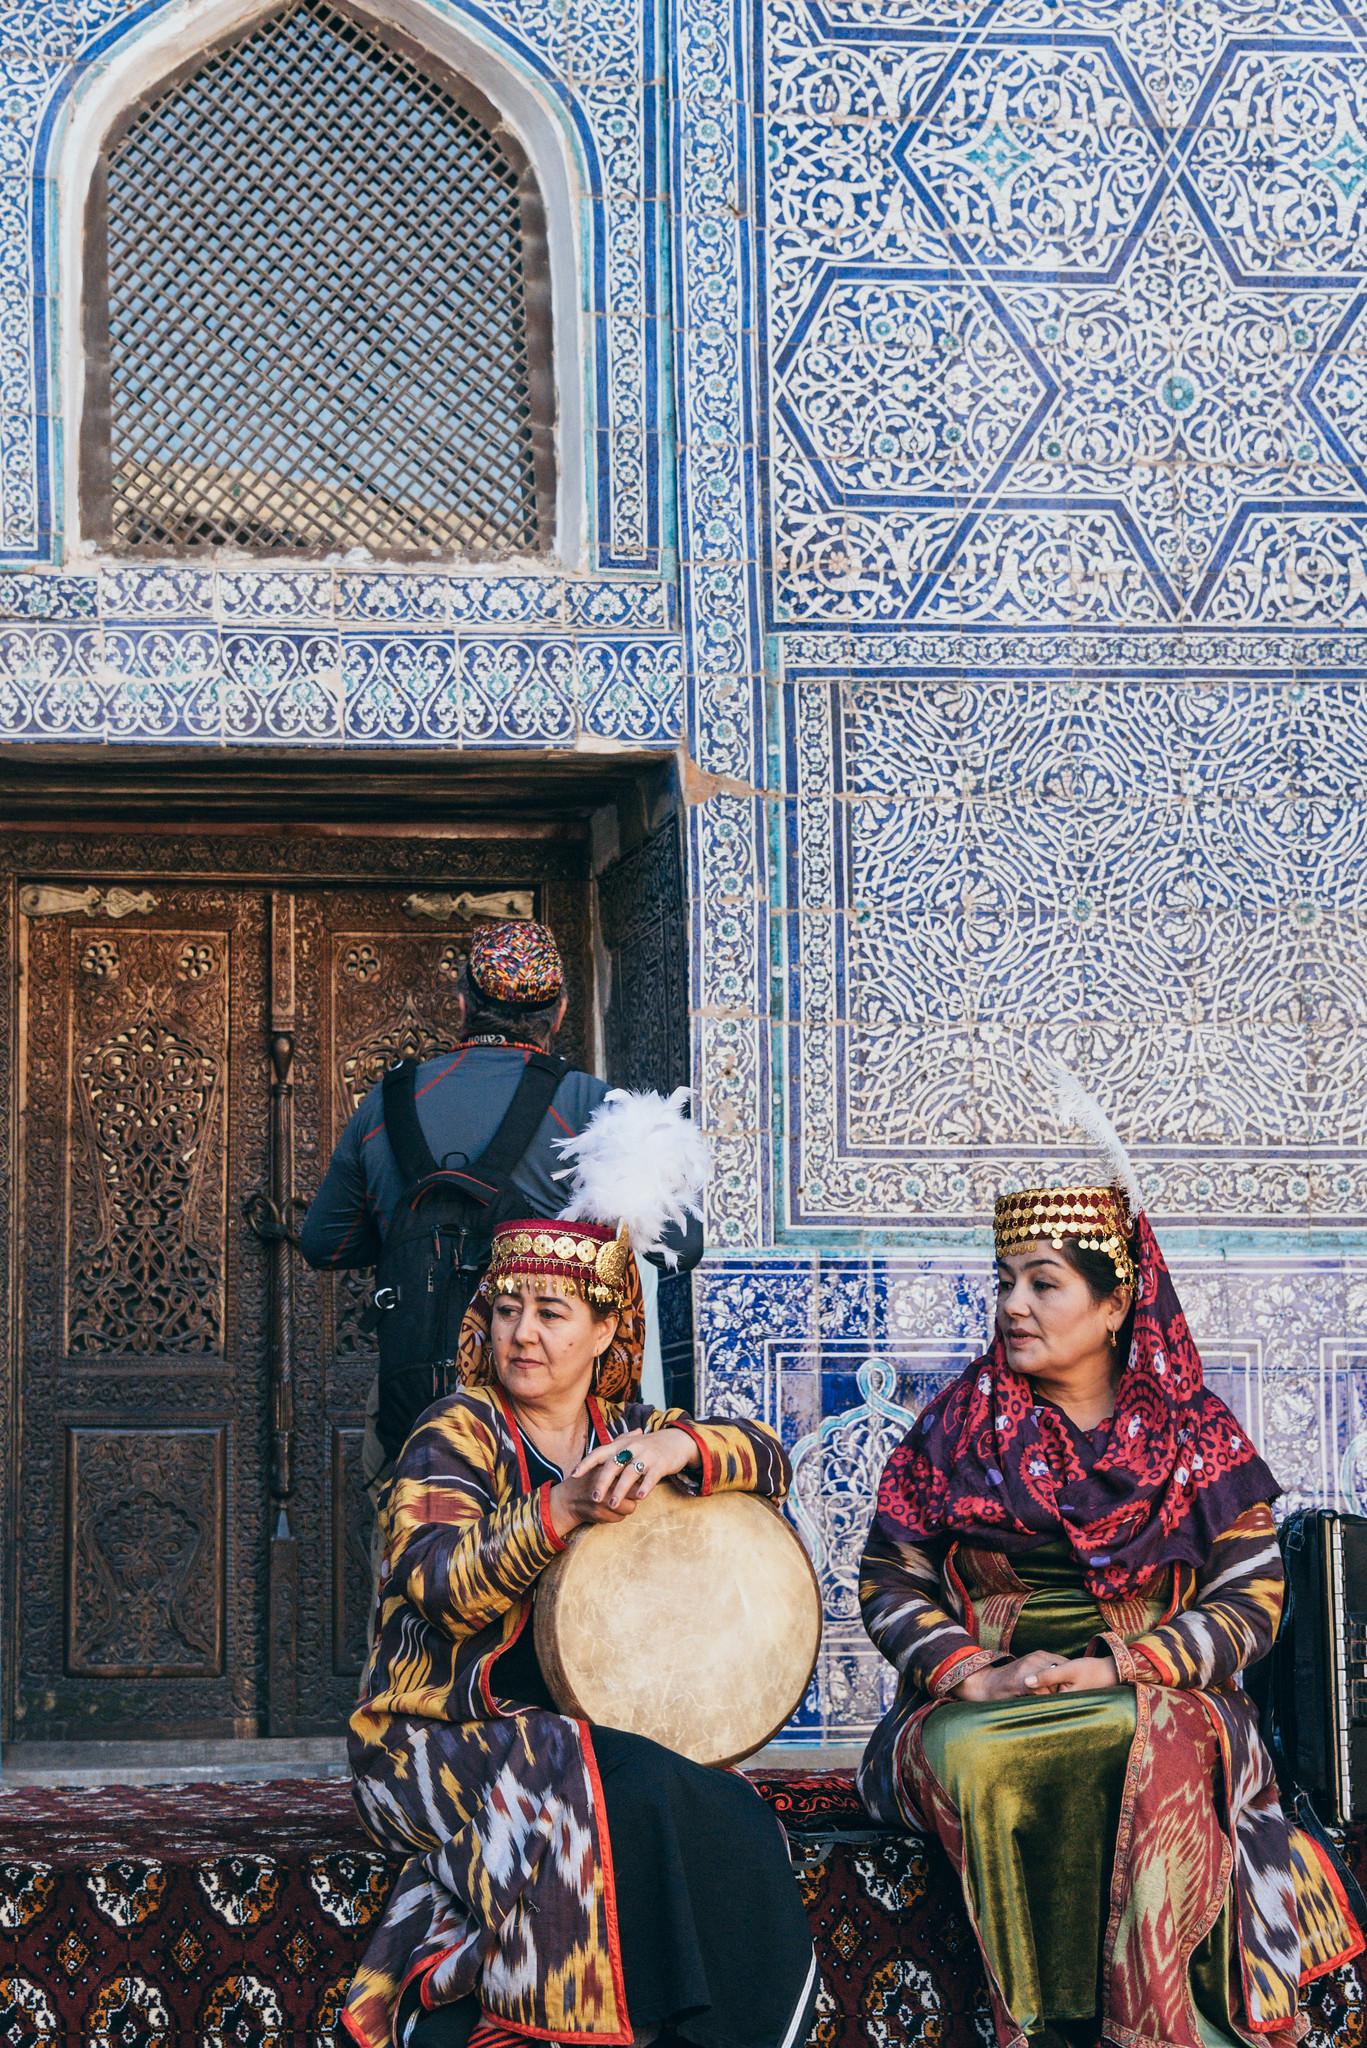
1082, 1112
638, 1161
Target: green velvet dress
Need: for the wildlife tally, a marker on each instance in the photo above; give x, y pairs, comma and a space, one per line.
1038, 1784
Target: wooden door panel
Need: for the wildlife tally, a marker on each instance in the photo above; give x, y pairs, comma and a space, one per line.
349, 1538
146, 1522
192, 1551
141, 1389
376, 981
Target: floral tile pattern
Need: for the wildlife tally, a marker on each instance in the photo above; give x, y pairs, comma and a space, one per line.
840, 1355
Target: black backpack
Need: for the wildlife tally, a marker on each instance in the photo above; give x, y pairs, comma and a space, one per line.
437, 1244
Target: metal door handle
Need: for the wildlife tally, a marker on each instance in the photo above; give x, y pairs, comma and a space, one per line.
264, 1219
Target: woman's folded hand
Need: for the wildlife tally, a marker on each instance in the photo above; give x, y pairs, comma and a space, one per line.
605, 1488
1037, 1674
1080, 1674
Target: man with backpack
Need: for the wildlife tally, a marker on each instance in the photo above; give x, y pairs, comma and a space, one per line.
440, 1153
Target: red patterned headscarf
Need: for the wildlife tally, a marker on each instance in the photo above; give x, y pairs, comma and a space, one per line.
1175, 1468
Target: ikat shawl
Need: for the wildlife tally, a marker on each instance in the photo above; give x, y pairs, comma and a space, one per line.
1175, 1469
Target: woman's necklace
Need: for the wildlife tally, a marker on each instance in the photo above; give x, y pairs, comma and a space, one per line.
530, 1435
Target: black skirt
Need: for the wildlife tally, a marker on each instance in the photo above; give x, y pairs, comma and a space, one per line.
716, 1949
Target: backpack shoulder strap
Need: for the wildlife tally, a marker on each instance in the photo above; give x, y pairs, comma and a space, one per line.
412, 1153
532, 1097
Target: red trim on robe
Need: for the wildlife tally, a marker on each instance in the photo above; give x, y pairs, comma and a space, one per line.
1336, 1887
709, 1468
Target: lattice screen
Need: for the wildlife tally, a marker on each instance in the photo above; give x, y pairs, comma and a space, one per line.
327, 311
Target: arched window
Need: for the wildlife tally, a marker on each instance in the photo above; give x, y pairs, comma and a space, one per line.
318, 308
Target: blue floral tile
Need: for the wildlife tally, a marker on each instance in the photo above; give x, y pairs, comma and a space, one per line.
282, 686
59, 600
398, 687
633, 693
507, 601
266, 596
162, 682
393, 599
517, 692
159, 592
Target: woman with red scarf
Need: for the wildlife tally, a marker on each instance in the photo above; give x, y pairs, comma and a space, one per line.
1073, 1560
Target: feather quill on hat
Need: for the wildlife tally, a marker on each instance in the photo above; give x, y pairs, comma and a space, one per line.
641, 1162
1082, 1112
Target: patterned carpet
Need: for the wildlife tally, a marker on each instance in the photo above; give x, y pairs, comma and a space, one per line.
213, 1916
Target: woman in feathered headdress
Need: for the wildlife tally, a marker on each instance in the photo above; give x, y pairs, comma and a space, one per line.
565, 1883
1072, 1561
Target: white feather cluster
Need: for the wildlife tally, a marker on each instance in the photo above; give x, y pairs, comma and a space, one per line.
1082, 1112
638, 1161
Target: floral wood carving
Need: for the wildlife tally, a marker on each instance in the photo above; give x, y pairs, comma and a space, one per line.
145, 1551
145, 1261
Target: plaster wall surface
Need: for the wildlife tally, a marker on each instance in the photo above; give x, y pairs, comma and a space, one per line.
975, 485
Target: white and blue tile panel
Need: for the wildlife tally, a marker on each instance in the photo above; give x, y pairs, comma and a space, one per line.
1159, 880
840, 1354
337, 657
1064, 318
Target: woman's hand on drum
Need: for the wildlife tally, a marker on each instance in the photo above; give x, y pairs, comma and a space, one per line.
605, 1486
1038, 1673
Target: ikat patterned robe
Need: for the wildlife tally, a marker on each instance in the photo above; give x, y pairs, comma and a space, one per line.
1200, 1805
509, 1887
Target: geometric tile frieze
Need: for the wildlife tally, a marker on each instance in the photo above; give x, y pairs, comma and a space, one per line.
1170, 226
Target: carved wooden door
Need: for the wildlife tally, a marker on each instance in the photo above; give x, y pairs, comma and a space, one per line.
142, 1384
375, 980
193, 1535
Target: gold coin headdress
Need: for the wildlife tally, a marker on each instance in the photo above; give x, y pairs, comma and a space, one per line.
639, 1165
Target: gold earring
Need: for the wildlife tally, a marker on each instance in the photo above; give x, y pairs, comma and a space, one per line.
1115, 1339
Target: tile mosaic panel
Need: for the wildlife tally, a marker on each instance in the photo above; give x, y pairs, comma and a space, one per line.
1064, 312
315, 683
1158, 882
839, 1355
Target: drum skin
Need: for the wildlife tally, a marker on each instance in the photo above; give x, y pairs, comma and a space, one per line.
696, 1621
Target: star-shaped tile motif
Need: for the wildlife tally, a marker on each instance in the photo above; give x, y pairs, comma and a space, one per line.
1344, 163
1060, 145
1182, 404
995, 156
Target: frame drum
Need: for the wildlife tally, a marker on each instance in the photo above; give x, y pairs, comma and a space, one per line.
696, 1621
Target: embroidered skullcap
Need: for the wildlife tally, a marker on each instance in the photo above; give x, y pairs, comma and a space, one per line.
516, 960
